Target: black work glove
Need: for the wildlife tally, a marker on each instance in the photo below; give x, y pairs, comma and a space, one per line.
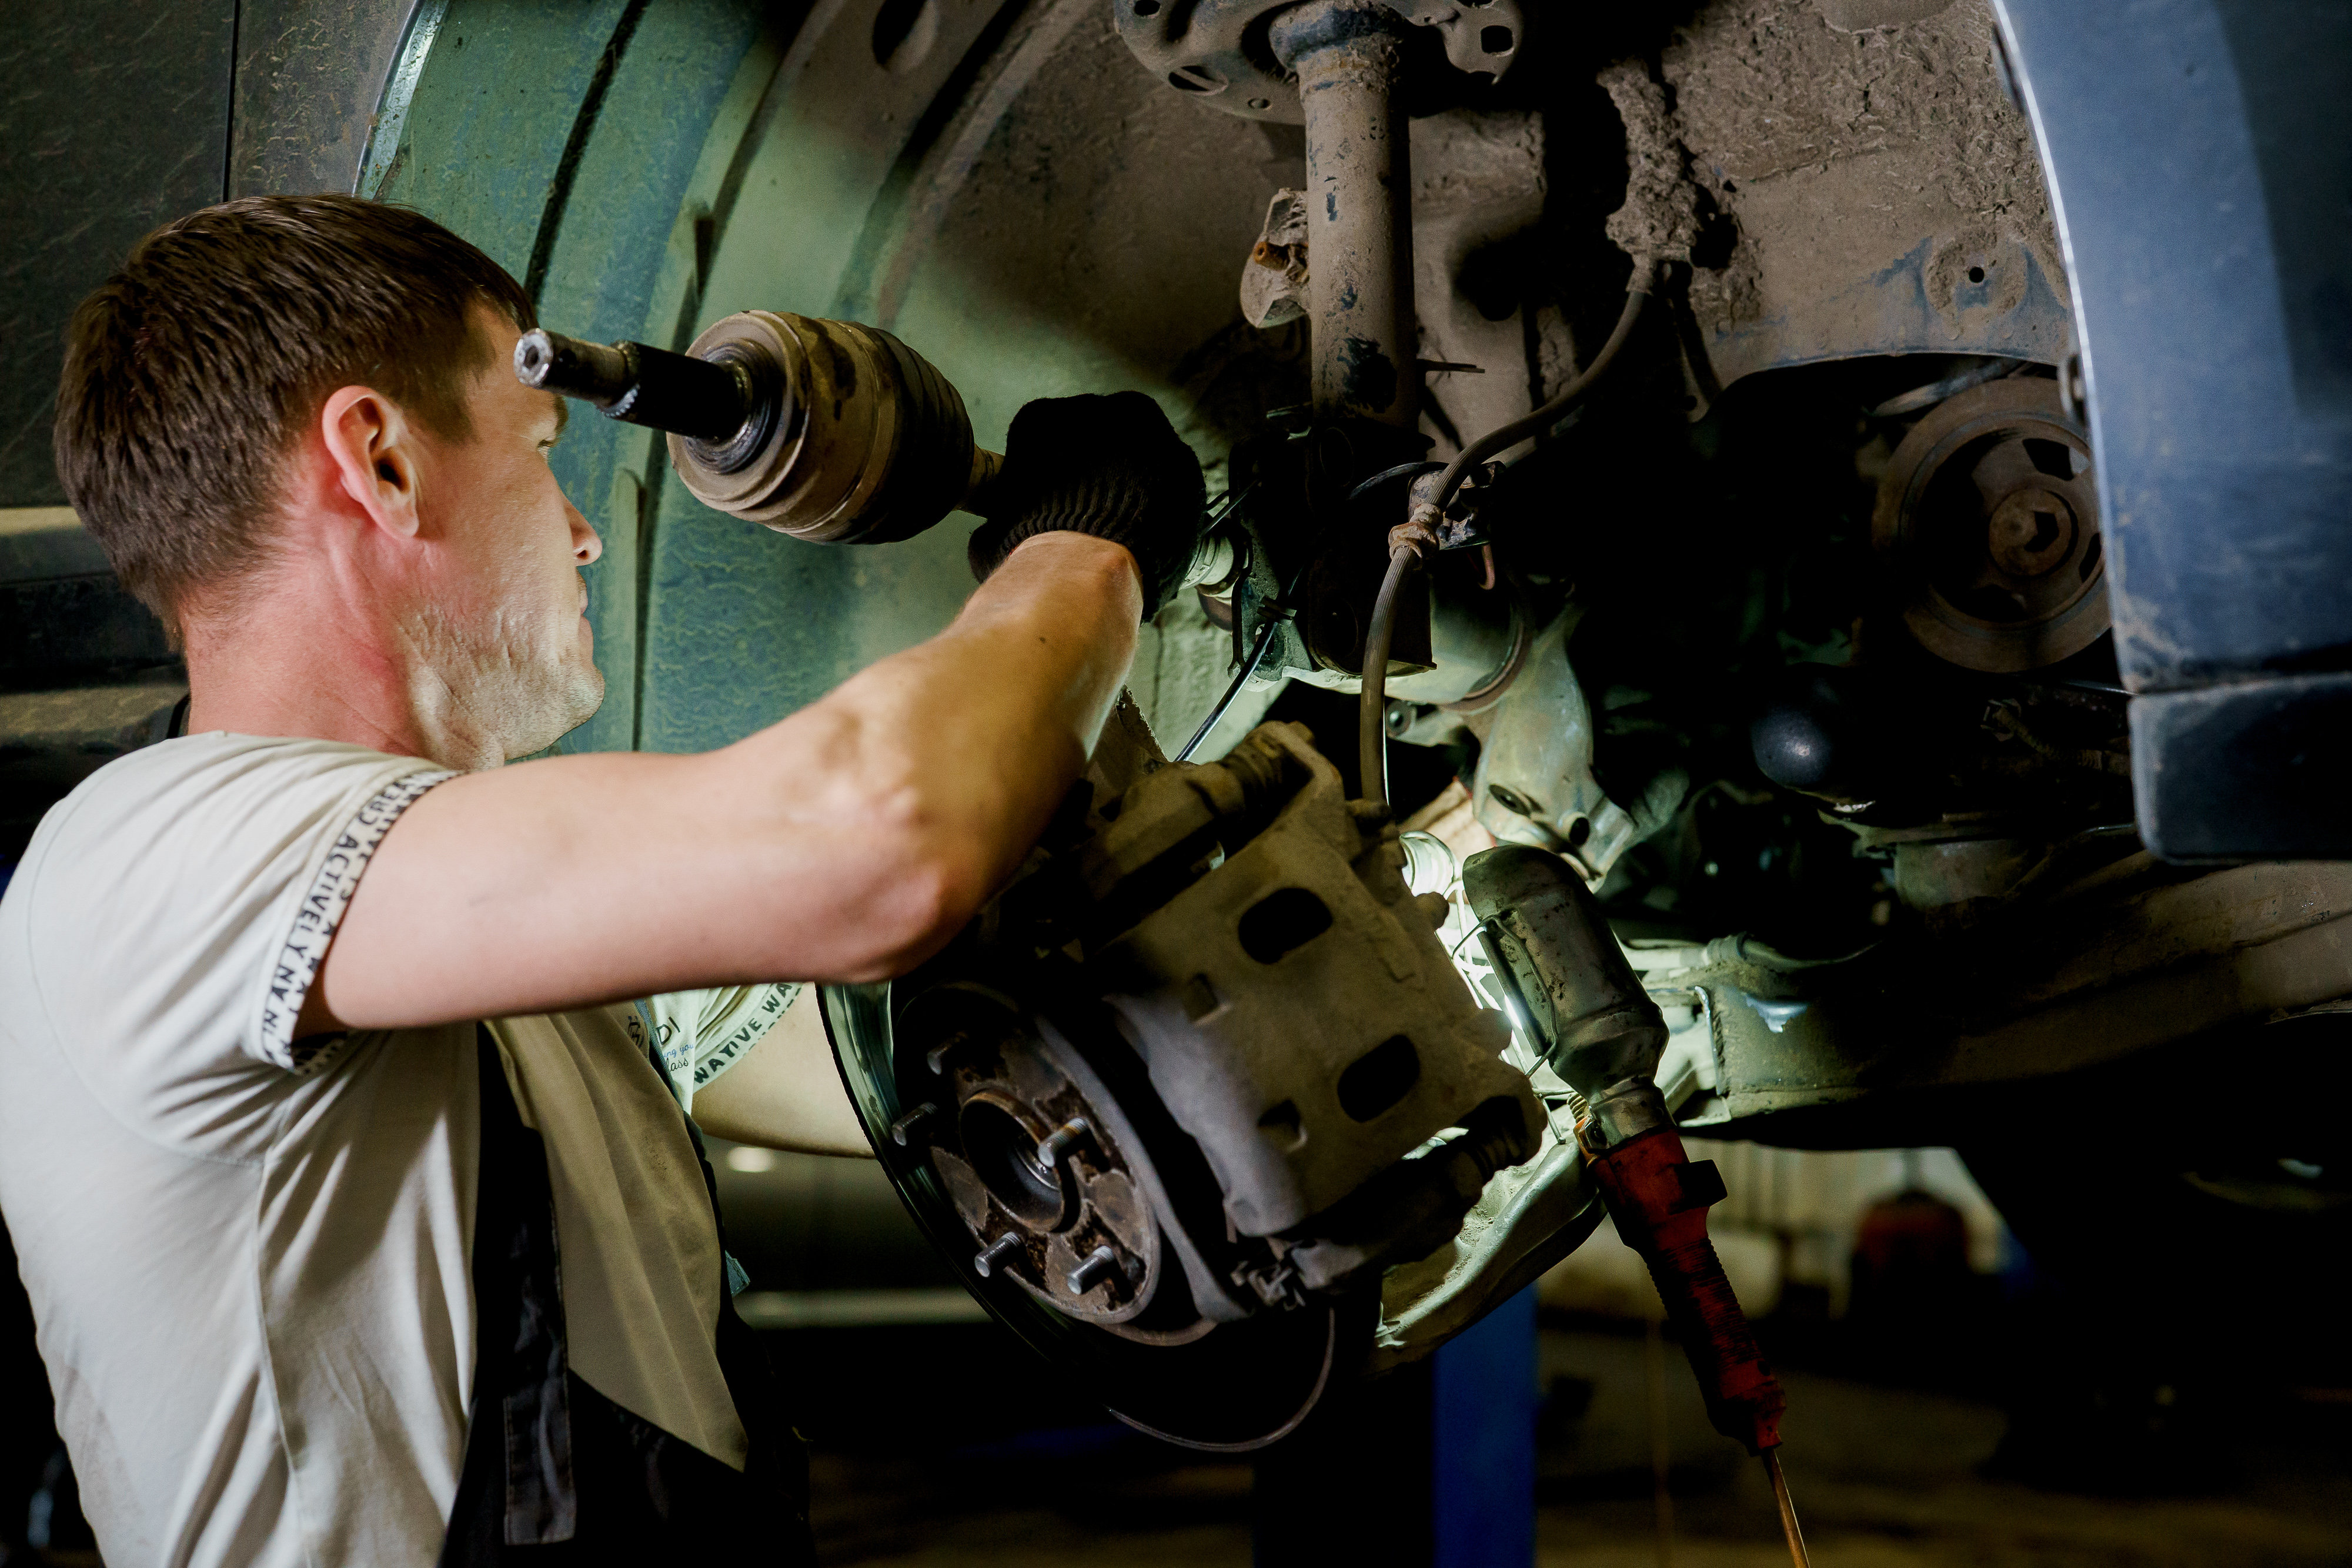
1110, 466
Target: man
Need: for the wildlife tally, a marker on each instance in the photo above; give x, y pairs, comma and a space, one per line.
327, 1271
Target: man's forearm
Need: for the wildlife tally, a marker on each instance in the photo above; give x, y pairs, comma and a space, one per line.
848, 843
904, 798
992, 719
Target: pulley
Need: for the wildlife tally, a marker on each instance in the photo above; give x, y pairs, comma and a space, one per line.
1986, 527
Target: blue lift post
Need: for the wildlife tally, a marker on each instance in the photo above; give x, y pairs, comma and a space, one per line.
1432, 1465
1481, 1464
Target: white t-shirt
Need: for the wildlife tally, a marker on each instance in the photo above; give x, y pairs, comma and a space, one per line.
250, 1257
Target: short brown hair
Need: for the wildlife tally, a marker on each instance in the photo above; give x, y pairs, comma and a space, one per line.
190, 374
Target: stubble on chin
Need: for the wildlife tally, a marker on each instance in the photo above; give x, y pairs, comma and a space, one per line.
584, 687
563, 693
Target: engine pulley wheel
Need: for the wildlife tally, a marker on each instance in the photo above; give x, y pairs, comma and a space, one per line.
1986, 527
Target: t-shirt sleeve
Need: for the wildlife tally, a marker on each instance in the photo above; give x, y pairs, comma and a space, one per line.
701, 1034
184, 897
320, 911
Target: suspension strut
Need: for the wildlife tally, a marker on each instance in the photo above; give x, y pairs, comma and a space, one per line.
1349, 55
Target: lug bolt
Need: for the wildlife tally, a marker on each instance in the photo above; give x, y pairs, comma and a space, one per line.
911, 1120
1098, 1266
1000, 1252
1062, 1140
938, 1055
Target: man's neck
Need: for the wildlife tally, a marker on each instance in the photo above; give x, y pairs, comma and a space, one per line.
277, 665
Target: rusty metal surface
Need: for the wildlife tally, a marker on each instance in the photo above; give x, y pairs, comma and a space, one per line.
2074, 983
1878, 191
1028, 1154
1218, 51
1349, 58
1239, 1388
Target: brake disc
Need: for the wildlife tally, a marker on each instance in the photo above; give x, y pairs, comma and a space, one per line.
1220, 1386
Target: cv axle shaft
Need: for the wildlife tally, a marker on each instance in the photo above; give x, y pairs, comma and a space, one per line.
828, 431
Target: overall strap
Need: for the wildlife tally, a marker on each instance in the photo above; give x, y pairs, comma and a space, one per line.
562, 1476
517, 1488
778, 1465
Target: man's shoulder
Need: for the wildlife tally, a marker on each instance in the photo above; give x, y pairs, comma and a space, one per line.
166, 918
198, 812
218, 755
175, 776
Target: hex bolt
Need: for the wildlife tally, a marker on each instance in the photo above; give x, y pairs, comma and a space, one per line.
1093, 1269
911, 1120
1000, 1252
938, 1055
1062, 1140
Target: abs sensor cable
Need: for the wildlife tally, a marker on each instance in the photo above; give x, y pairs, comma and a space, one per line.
1226, 505
1419, 530
1234, 689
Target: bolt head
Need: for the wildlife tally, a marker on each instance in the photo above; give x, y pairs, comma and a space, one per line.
2030, 532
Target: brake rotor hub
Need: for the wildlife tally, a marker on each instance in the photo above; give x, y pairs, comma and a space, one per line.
1039, 1171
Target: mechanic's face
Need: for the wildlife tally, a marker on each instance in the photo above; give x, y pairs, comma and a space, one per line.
511, 632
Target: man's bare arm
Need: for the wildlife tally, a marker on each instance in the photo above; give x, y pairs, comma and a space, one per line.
848, 843
785, 1092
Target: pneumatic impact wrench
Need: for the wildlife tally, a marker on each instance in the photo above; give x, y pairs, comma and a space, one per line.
1572, 991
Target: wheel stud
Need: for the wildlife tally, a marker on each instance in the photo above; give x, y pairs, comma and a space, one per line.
1062, 1140
938, 1055
1098, 1266
906, 1124
1000, 1252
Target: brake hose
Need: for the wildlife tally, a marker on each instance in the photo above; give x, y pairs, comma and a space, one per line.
1406, 542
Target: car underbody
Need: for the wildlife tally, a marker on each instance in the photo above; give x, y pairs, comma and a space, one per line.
1799, 640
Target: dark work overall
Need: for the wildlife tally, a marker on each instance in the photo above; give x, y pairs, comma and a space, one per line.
557, 1474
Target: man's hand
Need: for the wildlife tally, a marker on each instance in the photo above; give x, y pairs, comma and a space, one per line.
1110, 466
848, 842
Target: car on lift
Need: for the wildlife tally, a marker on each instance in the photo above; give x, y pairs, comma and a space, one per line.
1923, 645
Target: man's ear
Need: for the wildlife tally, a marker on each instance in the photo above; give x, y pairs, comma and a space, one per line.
373, 449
